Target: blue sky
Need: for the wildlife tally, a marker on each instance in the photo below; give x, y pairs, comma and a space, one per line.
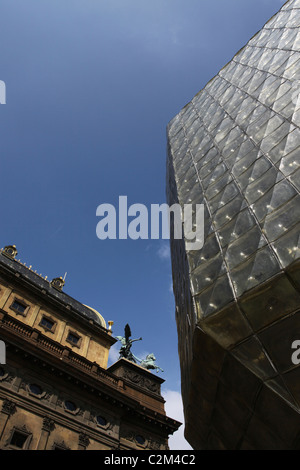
91, 86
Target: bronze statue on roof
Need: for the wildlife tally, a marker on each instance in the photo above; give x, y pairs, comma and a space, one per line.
125, 351
126, 342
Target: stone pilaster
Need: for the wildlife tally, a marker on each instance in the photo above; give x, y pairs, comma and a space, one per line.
47, 427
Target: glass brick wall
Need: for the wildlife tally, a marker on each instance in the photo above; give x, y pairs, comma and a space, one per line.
236, 149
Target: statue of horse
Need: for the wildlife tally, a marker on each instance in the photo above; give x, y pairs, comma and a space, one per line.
149, 363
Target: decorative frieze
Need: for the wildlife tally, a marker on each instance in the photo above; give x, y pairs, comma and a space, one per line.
141, 381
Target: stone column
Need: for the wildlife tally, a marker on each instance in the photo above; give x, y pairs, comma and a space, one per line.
47, 427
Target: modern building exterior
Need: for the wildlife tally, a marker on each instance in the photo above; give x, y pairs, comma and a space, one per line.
235, 148
56, 391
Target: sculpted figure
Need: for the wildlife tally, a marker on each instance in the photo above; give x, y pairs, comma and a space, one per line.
126, 342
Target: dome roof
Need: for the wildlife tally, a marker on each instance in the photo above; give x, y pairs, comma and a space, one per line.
101, 319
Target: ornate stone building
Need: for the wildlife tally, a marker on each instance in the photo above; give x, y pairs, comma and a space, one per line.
56, 392
235, 148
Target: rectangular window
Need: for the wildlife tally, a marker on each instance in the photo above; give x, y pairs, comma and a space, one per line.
74, 339
19, 307
47, 323
19, 439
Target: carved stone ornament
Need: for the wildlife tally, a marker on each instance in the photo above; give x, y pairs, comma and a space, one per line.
109, 427
48, 424
155, 445
58, 283
83, 439
142, 381
4, 376
129, 435
132, 435
61, 445
10, 251
8, 407
23, 429
23, 386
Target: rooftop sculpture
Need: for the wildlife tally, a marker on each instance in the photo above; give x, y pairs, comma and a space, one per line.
125, 351
126, 342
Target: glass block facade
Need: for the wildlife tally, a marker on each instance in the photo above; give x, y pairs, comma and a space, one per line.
236, 149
